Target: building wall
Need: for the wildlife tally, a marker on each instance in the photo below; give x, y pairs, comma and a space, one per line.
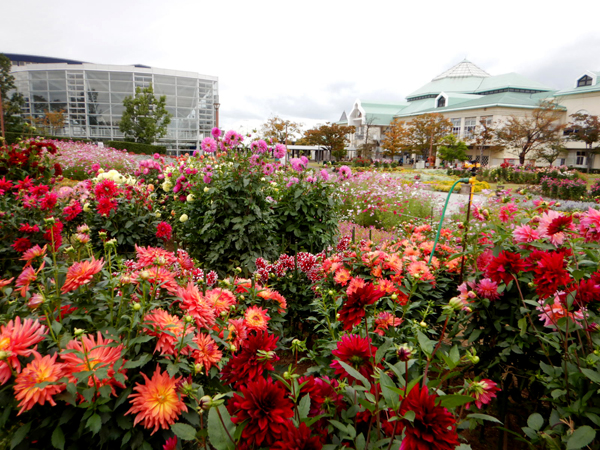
91, 97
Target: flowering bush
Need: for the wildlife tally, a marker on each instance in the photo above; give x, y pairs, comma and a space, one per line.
80, 159
564, 188
236, 205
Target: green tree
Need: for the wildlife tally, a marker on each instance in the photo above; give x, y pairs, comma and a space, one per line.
145, 118
11, 105
586, 128
452, 149
280, 130
330, 137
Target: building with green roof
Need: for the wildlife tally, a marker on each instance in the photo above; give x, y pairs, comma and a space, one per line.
467, 95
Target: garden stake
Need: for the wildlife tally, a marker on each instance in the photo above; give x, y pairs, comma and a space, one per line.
370, 238
462, 262
353, 235
437, 236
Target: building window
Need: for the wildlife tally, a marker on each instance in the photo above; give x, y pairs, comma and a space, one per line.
487, 120
456, 126
470, 124
580, 161
441, 102
584, 81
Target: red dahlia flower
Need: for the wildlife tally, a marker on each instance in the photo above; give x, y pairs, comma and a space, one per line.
22, 244
298, 439
357, 352
266, 409
353, 309
164, 231
248, 363
550, 274
433, 427
504, 266
36, 373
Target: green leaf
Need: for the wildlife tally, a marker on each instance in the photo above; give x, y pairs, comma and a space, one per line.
355, 374
483, 417
94, 423
216, 433
304, 407
58, 438
20, 435
425, 343
535, 421
184, 431
581, 437
592, 375
392, 399
454, 400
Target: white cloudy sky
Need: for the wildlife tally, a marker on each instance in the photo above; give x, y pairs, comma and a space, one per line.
309, 60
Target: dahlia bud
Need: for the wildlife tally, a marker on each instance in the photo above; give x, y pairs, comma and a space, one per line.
232, 348
183, 218
394, 296
198, 367
79, 331
423, 324
337, 316
188, 319
206, 189
330, 292
404, 352
205, 403
4, 354
144, 275
50, 221
102, 235
456, 303
137, 306
286, 375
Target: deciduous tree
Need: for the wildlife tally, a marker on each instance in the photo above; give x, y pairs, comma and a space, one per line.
330, 137
395, 139
145, 118
279, 130
586, 128
52, 121
526, 135
426, 131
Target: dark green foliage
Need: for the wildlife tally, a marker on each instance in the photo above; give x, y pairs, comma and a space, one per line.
138, 148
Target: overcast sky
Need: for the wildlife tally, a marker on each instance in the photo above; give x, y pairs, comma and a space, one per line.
309, 60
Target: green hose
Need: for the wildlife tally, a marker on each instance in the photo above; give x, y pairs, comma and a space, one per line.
437, 236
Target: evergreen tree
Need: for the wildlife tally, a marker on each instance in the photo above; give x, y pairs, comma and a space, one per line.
145, 118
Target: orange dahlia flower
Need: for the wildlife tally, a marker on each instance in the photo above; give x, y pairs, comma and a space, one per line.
34, 252
81, 273
93, 354
16, 338
196, 305
168, 328
220, 299
269, 294
256, 318
157, 402
208, 353
40, 370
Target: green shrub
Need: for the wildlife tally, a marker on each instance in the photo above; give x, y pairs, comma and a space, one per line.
138, 148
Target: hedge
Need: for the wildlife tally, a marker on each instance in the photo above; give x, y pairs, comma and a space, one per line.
12, 138
138, 148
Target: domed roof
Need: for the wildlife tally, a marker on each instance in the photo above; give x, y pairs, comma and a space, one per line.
463, 69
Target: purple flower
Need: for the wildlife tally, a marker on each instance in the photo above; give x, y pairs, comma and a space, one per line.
207, 177
324, 174
209, 145
292, 181
259, 146
216, 133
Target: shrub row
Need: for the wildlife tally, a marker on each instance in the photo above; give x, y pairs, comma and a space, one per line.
138, 148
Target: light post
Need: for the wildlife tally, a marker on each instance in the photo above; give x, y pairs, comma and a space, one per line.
217, 105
